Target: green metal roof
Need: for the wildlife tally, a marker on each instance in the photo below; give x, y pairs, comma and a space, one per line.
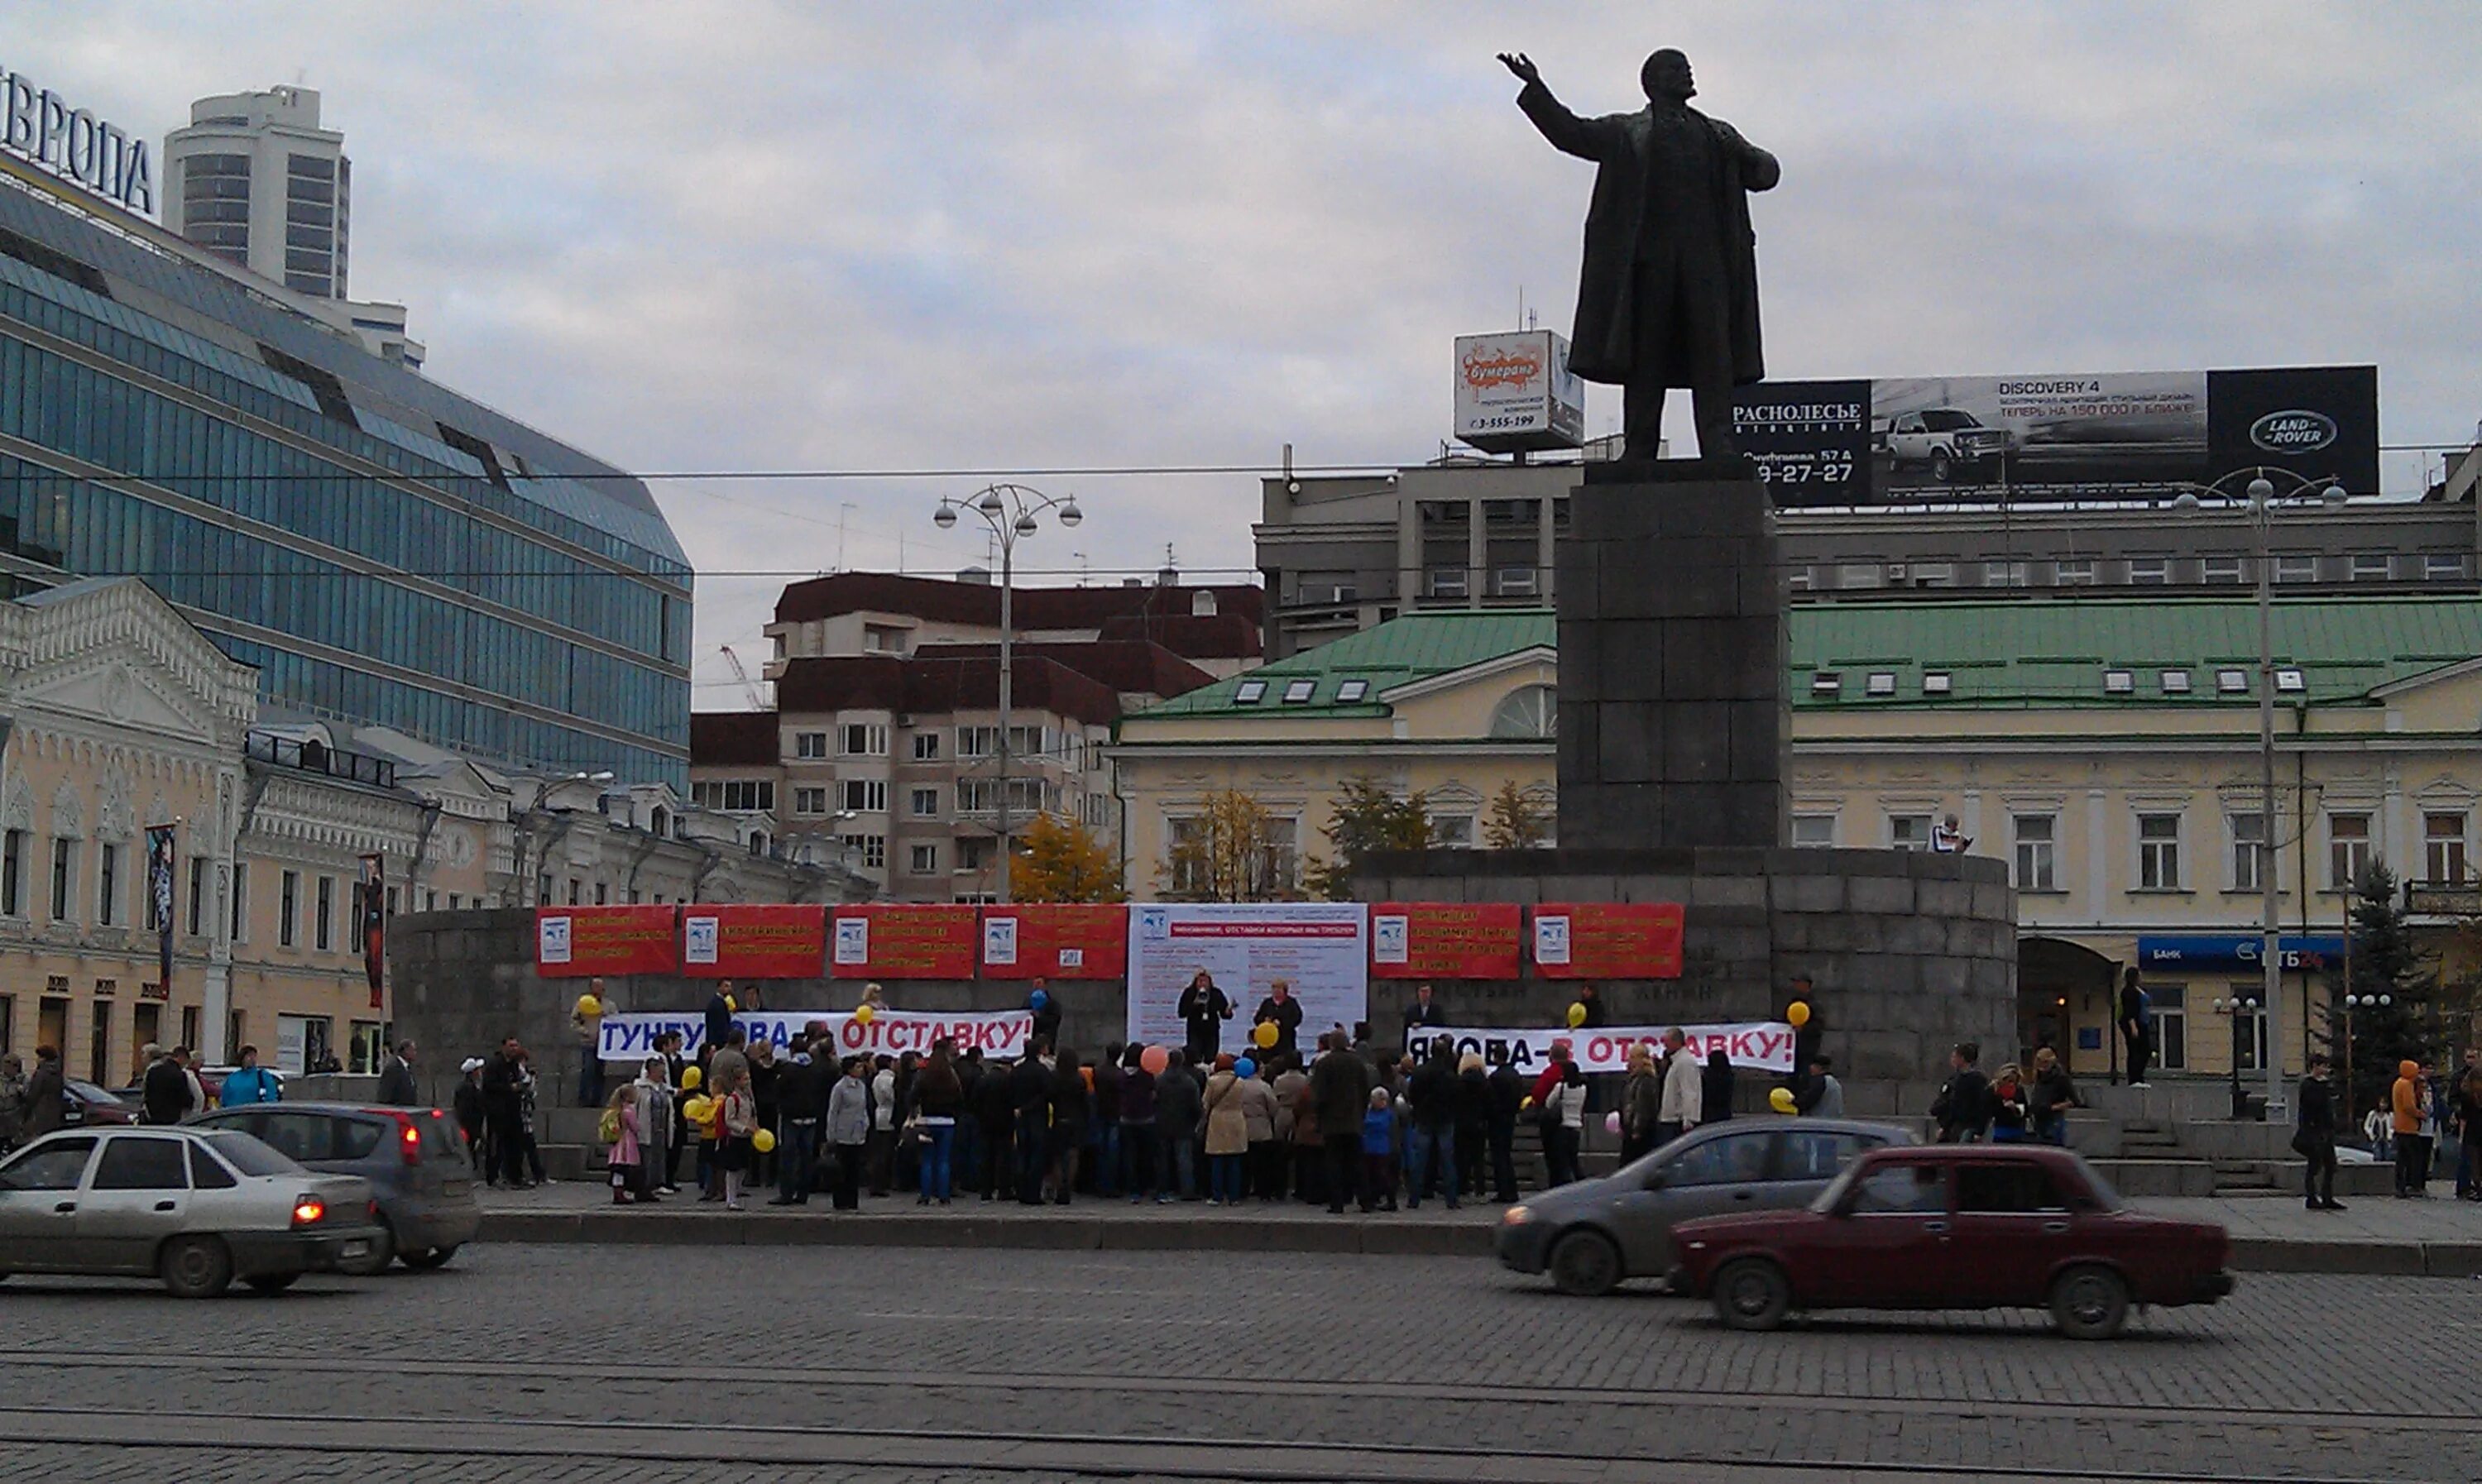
1401, 650
2020, 652
2060, 651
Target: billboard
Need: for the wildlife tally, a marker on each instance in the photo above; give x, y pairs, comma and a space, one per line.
2127, 435
1445, 939
1515, 392
1055, 940
753, 941
1322, 948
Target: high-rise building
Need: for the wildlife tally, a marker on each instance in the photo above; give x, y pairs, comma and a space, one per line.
255, 180
385, 551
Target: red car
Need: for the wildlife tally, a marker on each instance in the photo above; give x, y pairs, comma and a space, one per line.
1972, 1226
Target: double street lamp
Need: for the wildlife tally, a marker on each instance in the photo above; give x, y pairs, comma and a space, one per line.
2261, 495
2353, 1002
1011, 511
2238, 1007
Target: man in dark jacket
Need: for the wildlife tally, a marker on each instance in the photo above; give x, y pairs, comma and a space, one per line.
165, 1095
1507, 1101
1045, 1007
502, 1115
1030, 1097
1963, 1106
718, 1020
1473, 1124
2314, 1140
995, 1110
1432, 1150
46, 1095
396, 1079
1425, 1012
1180, 1100
1105, 1132
1340, 1093
801, 1088
1203, 1009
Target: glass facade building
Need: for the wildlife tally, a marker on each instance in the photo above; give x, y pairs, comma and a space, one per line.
385, 551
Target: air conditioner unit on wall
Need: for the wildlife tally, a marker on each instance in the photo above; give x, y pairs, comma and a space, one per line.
1896, 573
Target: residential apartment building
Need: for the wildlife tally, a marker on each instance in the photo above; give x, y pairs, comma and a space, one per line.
1338, 554
2107, 748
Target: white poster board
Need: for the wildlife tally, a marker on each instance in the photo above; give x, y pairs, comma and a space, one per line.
1322, 948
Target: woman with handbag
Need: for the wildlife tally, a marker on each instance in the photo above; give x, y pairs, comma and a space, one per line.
736, 1119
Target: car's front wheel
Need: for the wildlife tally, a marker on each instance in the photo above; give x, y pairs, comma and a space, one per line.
2089, 1303
428, 1258
1751, 1293
272, 1284
1942, 468
195, 1267
1586, 1265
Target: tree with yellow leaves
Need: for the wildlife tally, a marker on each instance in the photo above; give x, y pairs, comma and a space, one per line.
1061, 861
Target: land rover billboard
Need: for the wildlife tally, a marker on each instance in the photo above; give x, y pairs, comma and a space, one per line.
2123, 435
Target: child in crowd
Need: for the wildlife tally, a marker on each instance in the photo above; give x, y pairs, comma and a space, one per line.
1379, 1152
620, 1121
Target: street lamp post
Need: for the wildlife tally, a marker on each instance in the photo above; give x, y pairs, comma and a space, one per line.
2260, 492
2353, 1002
2237, 1007
1010, 512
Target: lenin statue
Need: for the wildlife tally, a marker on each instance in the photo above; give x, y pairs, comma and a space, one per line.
1669, 294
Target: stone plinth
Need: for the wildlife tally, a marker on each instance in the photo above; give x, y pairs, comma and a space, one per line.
1910, 952
1672, 726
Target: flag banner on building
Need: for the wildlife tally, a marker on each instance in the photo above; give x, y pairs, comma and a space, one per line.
160, 850
579, 943
1055, 940
753, 941
1607, 940
1446, 939
1322, 948
373, 927
896, 940
1758, 1046
628, 1038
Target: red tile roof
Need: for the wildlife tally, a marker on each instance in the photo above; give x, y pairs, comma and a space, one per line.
1128, 666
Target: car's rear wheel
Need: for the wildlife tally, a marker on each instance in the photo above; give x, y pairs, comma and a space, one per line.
1586, 1265
195, 1267
272, 1284
428, 1258
1751, 1293
2089, 1303
382, 1253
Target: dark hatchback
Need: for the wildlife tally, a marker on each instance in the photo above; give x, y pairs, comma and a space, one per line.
413, 1159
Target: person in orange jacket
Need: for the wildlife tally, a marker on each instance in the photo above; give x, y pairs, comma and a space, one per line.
2410, 1102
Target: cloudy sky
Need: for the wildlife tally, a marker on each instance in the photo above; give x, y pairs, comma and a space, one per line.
923, 236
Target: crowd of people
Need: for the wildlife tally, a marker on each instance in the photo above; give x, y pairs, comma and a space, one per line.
1347, 1126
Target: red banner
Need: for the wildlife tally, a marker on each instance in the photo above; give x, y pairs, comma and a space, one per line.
578, 942
753, 941
903, 942
1055, 940
1445, 939
1607, 941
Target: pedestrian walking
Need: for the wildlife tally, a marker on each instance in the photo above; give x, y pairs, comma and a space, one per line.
249, 1083
164, 1094
1963, 1106
2468, 1103
620, 1131
46, 1095
2049, 1097
473, 1119
529, 1109
2314, 1135
2009, 1115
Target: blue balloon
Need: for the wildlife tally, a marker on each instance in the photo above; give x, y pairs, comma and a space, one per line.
1040, 999
1246, 1067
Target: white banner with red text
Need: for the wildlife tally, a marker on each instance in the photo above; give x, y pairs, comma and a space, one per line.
1761, 1045
628, 1038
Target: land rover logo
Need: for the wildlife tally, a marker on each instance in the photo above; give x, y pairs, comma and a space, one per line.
2296, 431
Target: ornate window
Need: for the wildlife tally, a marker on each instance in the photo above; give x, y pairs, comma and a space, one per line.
1528, 711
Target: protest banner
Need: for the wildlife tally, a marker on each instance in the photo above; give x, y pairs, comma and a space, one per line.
898, 940
753, 941
579, 943
1607, 940
1321, 947
625, 1037
1446, 939
1761, 1045
1055, 940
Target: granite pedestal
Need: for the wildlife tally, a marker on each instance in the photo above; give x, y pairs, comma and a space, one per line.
1673, 724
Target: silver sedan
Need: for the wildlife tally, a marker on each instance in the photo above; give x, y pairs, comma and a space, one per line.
194, 1209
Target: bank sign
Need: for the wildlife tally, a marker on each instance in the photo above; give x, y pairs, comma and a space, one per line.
2215, 953
2114, 434
73, 143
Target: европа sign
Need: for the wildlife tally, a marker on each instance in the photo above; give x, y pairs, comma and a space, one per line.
73, 143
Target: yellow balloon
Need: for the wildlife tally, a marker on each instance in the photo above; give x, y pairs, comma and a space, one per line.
697, 1110
691, 1077
588, 1007
1527, 1103
1798, 1013
1577, 1016
1265, 1035
1780, 1099
731, 1003
864, 1014
763, 1142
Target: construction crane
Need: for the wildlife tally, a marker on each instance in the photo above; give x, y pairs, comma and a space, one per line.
741, 673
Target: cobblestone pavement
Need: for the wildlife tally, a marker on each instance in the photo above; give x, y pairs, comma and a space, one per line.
881, 1363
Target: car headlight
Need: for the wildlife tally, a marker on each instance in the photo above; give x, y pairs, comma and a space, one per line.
1516, 1216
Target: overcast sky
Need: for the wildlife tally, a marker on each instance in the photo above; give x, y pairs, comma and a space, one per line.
933, 236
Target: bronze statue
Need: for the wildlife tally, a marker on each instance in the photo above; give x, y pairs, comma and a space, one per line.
1669, 293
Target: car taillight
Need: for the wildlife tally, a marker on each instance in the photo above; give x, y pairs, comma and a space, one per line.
310, 1212
408, 1140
